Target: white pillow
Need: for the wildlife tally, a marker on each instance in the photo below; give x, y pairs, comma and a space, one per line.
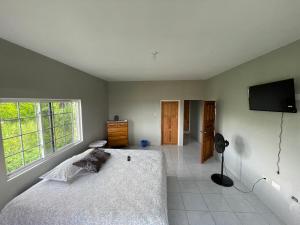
98, 144
66, 171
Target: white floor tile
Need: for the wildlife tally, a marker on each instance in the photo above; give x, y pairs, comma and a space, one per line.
208, 187
194, 202
173, 184
188, 186
200, 218
225, 218
175, 201
238, 203
257, 204
193, 197
216, 202
177, 217
251, 219
201, 176
231, 191
271, 219
184, 174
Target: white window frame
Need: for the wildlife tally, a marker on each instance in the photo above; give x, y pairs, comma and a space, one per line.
47, 157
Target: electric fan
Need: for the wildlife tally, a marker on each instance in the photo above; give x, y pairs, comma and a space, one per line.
220, 145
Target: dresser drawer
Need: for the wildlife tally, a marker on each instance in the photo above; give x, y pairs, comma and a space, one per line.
117, 134
118, 143
122, 124
117, 129
114, 138
112, 125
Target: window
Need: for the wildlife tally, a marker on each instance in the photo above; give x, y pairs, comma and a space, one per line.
34, 129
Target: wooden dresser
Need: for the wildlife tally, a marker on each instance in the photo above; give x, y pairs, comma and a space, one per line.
117, 133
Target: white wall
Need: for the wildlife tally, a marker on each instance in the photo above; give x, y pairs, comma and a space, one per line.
253, 135
26, 74
139, 102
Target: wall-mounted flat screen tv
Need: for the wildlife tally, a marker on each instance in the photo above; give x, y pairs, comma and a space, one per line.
276, 97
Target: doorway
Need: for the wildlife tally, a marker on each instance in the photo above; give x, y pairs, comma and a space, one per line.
169, 122
192, 121
186, 124
199, 118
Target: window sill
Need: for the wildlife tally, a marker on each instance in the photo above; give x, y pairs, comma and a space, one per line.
29, 167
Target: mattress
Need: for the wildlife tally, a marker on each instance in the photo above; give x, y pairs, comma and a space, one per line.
123, 192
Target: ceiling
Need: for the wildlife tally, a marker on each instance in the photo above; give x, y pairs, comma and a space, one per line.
115, 39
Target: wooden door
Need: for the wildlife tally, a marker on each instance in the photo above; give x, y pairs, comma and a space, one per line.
169, 122
208, 130
187, 115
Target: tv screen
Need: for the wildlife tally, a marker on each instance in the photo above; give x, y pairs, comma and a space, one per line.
277, 97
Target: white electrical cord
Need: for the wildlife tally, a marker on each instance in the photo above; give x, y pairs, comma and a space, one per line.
253, 186
279, 144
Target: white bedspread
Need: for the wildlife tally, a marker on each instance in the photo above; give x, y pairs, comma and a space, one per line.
127, 193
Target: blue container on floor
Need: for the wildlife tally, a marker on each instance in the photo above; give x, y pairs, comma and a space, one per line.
144, 143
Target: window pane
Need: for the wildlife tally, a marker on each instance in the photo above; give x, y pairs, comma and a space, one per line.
68, 107
31, 155
30, 141
75, 130
10, 128
68, 129
68, 118
45, 110
59, 120
75, 119
47, 135
46, 122
59, 143
58, 107
29, 125
48, 148
14, 162
69, 139
12, 146
27, 109
8, 110
59, 132
21, 137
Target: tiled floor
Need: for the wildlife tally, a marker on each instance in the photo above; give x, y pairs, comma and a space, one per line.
193, 199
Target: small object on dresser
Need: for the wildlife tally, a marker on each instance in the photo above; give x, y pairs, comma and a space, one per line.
128, 158
116, 118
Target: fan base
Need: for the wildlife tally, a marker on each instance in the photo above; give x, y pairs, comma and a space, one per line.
222, 180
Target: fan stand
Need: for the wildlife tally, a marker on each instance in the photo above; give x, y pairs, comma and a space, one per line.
222, 179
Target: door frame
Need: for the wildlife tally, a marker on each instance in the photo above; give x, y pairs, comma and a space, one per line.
179, 124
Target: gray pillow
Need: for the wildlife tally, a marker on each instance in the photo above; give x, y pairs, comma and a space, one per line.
93, 161
100, 154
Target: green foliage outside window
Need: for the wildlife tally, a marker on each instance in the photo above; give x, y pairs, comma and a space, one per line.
22, 136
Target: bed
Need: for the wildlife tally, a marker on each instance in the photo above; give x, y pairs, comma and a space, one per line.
123, 192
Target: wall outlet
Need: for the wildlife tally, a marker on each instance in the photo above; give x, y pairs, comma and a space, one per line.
275, 185
295, 199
